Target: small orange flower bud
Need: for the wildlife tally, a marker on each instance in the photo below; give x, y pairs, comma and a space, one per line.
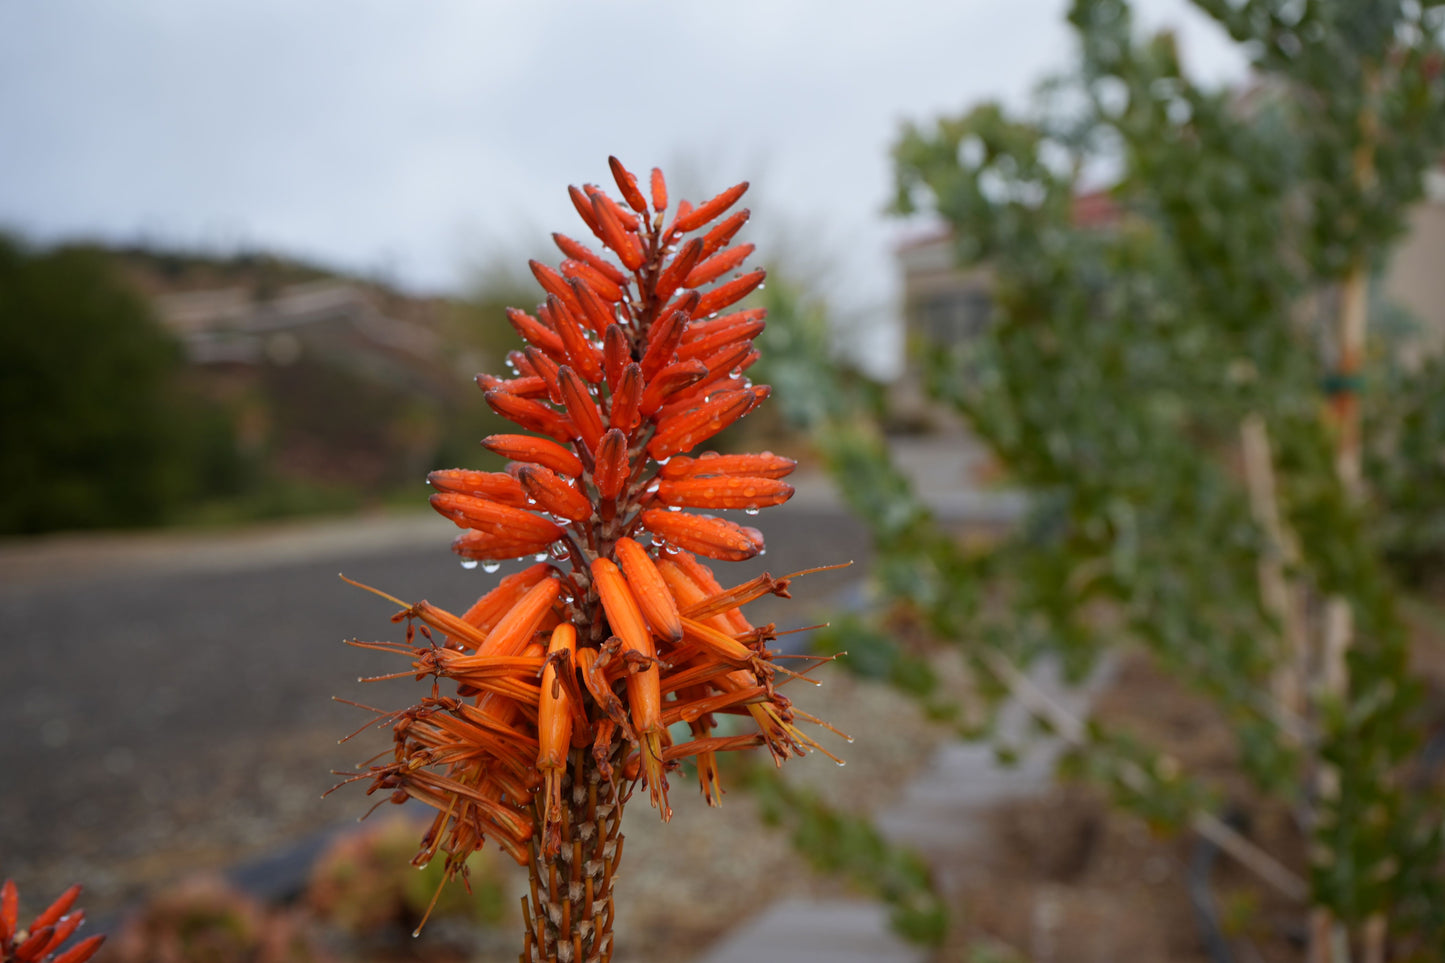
729, 293
673, 275
546, 369
670, 380
702, 329
81, 951
581, 409
478, 546
498, 486
612, 470
535, 332
763, 465
714, 537
665, 335
684, 429
580, 353
610, 229
46, 933
627, 184
659, 191
708, 210
552, 493
527, 386
727, 491
626, 218
616, 355
721, 338
585, 210
529, 414
555, 285
484, 515
718, 265
724, 372
717, 238
581, 252
596, 311
627, 398
536, 451
57, 909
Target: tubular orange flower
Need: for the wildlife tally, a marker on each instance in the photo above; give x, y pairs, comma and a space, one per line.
656, 602
554, 724
570, 675
714, 537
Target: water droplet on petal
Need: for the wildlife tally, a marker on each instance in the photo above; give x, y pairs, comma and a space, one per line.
671, 549
674, 508
490, 567
842, 763
531, 501
540, 557
654, 486
762, 552
469, 563
750, 510
664, 461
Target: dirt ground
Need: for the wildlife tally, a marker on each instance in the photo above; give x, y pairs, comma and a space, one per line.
1068, 879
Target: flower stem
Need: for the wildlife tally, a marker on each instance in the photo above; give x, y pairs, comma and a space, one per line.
569, 916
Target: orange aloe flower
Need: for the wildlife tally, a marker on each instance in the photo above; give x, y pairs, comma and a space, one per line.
41, 940
576, 677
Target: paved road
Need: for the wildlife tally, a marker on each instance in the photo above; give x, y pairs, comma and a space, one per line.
166, 698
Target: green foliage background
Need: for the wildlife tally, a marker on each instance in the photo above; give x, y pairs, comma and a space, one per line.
95, 428
1124, 358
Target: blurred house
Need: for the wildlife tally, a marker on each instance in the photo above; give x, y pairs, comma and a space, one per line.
336, 320
328, 380
947, 305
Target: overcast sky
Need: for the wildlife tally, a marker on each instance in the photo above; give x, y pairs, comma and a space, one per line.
415, 139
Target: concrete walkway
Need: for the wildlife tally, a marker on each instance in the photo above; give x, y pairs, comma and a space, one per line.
939, 816
939, 812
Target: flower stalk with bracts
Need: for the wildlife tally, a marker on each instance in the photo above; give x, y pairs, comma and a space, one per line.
618, 654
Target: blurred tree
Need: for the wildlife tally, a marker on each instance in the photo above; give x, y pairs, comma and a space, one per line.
91, 429
1178, 389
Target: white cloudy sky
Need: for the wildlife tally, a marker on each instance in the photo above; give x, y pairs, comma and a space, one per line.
417, 139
